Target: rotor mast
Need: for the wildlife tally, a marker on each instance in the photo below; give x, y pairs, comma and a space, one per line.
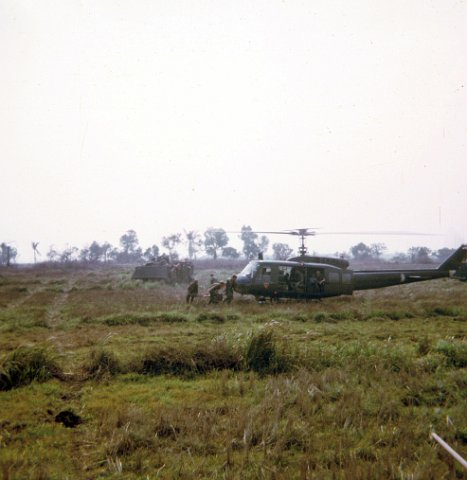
302, 249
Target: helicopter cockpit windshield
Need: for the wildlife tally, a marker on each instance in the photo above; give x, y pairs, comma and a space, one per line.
250, 270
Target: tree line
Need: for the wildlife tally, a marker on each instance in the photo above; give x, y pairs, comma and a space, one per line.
214, 242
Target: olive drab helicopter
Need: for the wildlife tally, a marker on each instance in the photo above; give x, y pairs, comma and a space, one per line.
314, 277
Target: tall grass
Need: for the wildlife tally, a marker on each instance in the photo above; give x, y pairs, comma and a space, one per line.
25, 365
344, 388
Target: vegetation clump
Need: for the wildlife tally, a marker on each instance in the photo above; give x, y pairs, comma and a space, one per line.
445, 311
210, 316
455, 353
218, 355
102, 363
264, 356
25, 365
143, 319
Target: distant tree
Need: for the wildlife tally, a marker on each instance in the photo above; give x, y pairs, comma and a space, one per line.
113, 254
151, 253
84, 255
214, 240
443, 254
377, 249
194, 242
252, 244
360, 251
7, 254
230, 252
131, 252
52, 254
400, 258
419, 254
106, 249
129, 242
68, 255
170, 242
95, 252
35, 250
282, 251
263, 243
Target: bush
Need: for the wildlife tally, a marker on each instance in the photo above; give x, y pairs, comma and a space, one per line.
25, 365
444, 311
263, 355
143, 319
217, 355
212, 317
455, 353
102, 363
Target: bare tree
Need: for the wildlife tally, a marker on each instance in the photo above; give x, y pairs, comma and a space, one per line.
52, 254
377, 249
194, 241
170, 242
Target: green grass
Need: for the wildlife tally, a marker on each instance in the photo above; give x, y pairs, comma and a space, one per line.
345, 388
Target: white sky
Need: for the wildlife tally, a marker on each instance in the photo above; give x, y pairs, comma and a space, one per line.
160, 116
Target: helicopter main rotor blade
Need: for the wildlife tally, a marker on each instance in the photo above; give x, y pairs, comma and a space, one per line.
379, 233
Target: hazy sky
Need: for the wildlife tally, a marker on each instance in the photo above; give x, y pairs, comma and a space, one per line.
160, 116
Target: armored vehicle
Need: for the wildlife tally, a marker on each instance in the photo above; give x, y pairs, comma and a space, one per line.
164, 270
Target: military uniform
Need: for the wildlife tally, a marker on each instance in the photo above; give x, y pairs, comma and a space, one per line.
192, 291
229, 291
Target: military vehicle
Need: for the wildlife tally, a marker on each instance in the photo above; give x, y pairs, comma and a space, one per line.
163, 269
312, 277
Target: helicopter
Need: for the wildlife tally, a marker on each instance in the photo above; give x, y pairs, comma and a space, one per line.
315, 277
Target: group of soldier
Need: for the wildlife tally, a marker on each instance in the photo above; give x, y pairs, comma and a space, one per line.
216, 290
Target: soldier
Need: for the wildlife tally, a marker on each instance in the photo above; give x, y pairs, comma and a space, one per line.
213, 279
320, 281
229, 291
192, 291
214, 293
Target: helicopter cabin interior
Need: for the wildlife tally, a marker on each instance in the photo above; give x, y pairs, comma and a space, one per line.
287, 279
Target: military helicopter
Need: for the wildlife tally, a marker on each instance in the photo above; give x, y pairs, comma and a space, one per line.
314, 277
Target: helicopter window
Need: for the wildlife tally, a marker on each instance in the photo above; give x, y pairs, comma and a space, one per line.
250, 269
347, 278
284, 274
266, 270
333, 277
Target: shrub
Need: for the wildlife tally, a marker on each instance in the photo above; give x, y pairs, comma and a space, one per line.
423, 346
172, 317
25, 365
263, 355
217, 355
320, 317
213, 317
143, 319
102, 363
455, 353
444, 312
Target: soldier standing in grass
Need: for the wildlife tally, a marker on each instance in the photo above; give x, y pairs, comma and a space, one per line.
192, 291
213, 279
228, 291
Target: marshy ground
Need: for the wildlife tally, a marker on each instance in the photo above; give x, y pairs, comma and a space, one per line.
347, 388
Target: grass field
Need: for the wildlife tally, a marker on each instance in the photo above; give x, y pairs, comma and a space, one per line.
347, 388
